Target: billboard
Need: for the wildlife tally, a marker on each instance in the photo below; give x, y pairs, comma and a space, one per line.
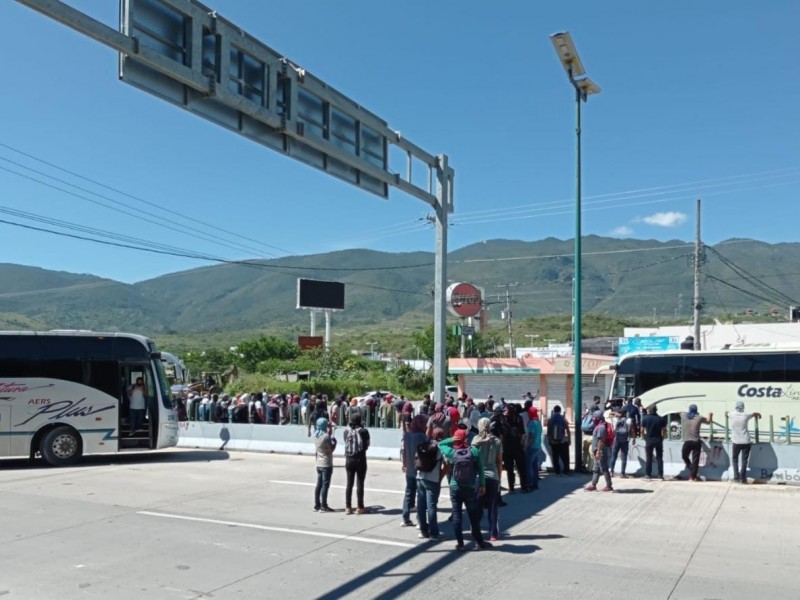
464, 300
312, 293
309, 342
651, 343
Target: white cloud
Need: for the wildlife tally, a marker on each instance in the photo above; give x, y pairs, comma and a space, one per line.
666, 219
622, 230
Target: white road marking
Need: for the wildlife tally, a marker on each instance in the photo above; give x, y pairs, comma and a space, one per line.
337, 536
338, 487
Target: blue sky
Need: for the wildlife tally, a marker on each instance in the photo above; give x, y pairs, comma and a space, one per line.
699, 100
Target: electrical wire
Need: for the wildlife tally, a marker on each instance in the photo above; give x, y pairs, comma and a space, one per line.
210, 226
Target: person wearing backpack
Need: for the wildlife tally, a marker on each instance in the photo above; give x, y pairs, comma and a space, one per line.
466, 469
602, 442
430, 467
558, 438
622, 430
491, 449
411, 440
587, 427
356, 444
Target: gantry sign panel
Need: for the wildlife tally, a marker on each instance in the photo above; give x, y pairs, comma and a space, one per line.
211, 67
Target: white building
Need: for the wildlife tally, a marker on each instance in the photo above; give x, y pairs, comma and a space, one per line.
714, 337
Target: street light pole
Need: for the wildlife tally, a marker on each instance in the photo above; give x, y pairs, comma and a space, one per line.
584, 87
372, 349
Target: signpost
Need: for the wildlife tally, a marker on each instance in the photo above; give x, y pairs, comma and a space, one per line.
655, 343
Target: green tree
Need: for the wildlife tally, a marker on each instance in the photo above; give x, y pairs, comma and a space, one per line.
251, 352
481, 345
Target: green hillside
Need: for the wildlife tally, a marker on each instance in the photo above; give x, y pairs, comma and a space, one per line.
624, 278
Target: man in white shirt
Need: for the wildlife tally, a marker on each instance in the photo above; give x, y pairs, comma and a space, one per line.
740, 436
137, 405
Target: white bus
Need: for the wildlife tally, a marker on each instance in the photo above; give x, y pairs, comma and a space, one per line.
766, 379
65, 393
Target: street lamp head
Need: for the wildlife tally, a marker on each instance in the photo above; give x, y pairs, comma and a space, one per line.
567, 54
587, 87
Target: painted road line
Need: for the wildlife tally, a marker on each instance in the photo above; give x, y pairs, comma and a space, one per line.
338, 487
336, 536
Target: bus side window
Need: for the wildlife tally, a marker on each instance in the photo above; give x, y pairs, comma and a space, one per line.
674, 426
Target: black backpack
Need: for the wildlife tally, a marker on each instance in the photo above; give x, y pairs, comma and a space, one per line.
354, 444
464, 471
425, 457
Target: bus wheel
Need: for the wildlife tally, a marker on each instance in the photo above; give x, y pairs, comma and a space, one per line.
61, 446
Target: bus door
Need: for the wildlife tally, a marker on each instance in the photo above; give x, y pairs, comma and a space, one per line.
5, 426
145, 435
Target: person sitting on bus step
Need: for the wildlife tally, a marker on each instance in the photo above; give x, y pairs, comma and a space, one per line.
137, 405
692, 444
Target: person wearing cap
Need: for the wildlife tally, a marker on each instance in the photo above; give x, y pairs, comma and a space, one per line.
602, 453
533, 447
464, 494
691, 439
653, 429
740, 436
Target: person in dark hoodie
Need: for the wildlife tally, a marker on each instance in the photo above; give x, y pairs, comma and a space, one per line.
356, 444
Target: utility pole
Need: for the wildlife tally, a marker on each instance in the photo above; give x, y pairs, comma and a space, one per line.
697, 304
507, 313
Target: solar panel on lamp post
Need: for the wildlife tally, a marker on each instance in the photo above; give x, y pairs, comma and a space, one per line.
584, 87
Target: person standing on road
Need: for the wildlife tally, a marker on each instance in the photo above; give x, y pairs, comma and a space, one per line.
558, 437
653, 428
491, 450
325, 447
691, 440
356, 444
622, 430
513, 450
466, 468
411, 440
740, 436
601, 450
138, 405
430, 472
533, 447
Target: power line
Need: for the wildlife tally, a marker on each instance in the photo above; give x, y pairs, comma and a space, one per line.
137, 198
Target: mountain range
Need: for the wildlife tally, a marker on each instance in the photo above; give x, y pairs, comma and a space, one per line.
622, 277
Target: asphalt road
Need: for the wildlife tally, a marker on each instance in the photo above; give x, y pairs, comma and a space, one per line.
198, 524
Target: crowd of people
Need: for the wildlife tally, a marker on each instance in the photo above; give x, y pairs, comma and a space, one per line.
608, 438
467, 444
470, 444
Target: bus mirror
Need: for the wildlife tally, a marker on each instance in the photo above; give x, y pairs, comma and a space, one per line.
155, 355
